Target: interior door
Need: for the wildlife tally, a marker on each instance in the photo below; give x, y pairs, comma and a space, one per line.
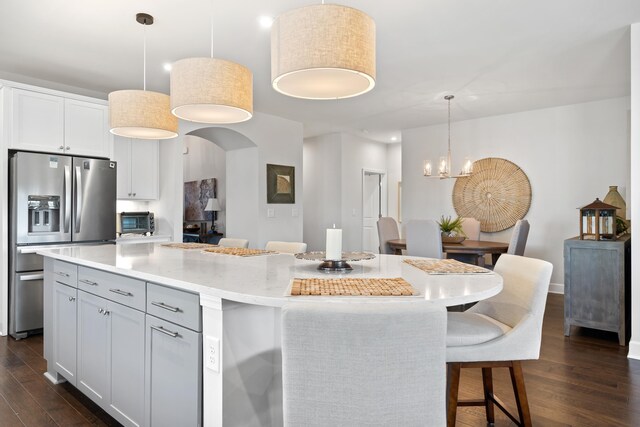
94, 200
371, 210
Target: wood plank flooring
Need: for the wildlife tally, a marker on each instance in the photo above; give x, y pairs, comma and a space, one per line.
585, 380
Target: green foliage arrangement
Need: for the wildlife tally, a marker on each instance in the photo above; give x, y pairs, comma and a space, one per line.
451, 227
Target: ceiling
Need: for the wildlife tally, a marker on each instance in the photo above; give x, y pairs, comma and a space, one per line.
496, 56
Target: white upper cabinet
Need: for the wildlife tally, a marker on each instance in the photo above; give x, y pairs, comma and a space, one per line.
137, 168
86, 128
55, 124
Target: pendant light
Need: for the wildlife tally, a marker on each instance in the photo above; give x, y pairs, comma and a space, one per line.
323, 52
211, 90
141, 114
444, 164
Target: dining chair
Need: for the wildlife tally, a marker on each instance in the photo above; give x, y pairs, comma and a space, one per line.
387, 230
519, 237
423, 238
233, 243
500, 332
286, 247
356, 364
471, 228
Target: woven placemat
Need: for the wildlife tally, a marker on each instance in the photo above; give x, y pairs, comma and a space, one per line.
188, 245
364, 287
238, 251
445, 266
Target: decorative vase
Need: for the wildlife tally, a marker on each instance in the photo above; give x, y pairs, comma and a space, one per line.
614, 198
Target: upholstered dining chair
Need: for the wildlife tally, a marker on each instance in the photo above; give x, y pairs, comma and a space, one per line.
226, 242
519, 237
387, 230
286, 247
423, 238
362, 364
500, 332
471, 228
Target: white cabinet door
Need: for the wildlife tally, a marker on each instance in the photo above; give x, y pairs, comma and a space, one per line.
127, 364
86, 128
137, 168
122, 155
94, 369
144, 169
64, 330
174, 375
37, 122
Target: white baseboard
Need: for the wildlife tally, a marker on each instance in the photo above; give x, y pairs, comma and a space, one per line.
556, 288
634, 350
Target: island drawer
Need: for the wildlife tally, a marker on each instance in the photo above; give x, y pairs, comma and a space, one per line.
124, 290
65, 273
174, 305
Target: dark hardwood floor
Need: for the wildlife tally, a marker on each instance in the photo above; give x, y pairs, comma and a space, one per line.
585, 380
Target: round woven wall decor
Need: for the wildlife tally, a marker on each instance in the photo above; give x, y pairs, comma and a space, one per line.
497, 194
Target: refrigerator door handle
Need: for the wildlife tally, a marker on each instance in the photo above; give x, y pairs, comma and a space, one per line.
30, 277
67, 198
78, 191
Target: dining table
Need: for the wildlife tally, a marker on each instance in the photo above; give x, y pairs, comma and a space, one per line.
471, 251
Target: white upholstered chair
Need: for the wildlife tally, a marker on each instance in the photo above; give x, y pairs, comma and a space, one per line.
471, 228
500, 332
387, 230
286, 247
423, 238
519, 237
233, 243
357, 364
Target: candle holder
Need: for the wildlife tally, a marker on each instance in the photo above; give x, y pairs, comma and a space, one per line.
598, 221
333, 265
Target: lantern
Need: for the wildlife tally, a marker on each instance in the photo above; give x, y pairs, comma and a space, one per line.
598, 221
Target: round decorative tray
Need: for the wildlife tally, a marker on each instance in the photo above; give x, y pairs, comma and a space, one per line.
330, 265
453, 239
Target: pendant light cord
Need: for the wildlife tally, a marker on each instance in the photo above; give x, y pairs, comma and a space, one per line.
212, 8
449, 121
144, 57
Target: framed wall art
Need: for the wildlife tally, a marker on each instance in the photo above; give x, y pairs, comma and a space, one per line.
196, 196
281, 184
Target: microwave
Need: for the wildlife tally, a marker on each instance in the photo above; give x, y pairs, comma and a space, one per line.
136, 223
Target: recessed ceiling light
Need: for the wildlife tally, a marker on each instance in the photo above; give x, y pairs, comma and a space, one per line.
167, 66
394, 138
265, 21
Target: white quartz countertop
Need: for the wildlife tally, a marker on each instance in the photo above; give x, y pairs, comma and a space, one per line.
264, 280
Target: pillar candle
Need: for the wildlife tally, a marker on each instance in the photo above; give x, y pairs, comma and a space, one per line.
334, 244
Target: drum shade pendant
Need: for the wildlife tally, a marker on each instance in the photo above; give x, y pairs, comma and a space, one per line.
323, 52
141, 114
211, 90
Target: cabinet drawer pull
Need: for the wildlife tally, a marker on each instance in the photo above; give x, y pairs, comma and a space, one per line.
101, 310
62, 273
120, 292
164, 331
88, 282
72, 299
165, 306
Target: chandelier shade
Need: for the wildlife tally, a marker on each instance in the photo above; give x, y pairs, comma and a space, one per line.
323, 52
211, 90
141, 114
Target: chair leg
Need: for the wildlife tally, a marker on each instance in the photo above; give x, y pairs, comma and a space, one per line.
453, 382
517, 379
487, 382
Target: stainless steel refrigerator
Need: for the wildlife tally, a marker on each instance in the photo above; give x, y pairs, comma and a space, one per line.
54, 199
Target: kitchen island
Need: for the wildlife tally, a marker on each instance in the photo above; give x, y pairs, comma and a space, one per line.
143, 296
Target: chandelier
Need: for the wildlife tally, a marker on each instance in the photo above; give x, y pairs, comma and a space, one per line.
444, 164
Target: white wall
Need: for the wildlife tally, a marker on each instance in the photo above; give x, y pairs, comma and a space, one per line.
333, 185
634, 344
571, 155
277, 141
203, 160
322, 159
394, 176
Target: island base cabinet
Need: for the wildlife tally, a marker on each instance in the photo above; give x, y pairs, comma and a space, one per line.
174, 372
64, 330
111, 357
